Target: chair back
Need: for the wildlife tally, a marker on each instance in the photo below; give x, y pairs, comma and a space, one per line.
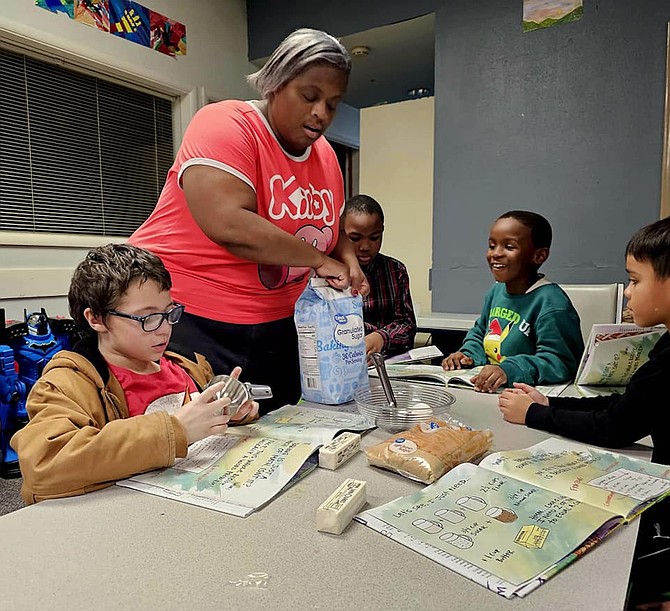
595, 303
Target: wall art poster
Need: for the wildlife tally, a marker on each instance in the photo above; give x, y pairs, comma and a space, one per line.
167, 36
94, 13
129, 20
539, 14
57, 6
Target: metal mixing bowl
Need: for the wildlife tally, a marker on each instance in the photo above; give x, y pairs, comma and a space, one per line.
372, 403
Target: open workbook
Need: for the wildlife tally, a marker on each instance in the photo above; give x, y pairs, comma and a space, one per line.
435, 374
521, 516
242, 470
415, 354
432, 374
613, 353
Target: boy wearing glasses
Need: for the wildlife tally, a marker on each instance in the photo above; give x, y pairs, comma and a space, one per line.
117, 404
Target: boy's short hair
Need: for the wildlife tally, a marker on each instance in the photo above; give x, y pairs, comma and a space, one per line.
540, 229
101, 280
363, 204
652, 244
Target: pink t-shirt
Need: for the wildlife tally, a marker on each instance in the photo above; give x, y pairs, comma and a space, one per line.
303, 195
164, 390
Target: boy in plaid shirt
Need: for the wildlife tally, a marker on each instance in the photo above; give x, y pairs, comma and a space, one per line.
390, 324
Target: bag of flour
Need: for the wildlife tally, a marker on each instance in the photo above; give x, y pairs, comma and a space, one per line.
331, 343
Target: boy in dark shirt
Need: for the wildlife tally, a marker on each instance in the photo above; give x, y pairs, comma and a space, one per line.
390, 324
620, 420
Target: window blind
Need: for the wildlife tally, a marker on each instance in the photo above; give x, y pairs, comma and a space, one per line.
78, 154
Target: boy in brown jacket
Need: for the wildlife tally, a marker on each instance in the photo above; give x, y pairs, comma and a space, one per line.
117, 404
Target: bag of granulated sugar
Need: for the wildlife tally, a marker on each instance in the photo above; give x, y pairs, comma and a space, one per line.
331, 343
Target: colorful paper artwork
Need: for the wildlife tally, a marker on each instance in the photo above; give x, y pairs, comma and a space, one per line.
93, 12
129, 20
126, 19
57, 6
167, 36
539, 14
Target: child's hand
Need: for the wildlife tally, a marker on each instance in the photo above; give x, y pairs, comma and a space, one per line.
457, 360
532, 392
514, 405
514, 402
374, 342
248, 412
205, 415
490, 378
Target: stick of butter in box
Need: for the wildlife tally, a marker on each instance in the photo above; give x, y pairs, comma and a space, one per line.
335, 513
339, 450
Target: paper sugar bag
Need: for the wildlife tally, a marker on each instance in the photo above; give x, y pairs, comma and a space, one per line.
331, 343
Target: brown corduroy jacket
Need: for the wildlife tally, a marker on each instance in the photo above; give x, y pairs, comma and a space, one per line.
80, 437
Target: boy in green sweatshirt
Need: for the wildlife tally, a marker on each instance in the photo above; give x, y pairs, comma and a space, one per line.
528, 330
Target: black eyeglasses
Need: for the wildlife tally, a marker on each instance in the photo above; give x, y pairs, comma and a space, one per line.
151, 322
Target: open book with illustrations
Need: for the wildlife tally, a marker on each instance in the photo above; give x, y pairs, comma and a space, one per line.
613, 353
242, 470
416, 354
432, 374
521, 516
459, 378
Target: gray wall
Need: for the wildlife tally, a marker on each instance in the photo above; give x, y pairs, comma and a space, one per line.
567, 122
346, 126
269, 21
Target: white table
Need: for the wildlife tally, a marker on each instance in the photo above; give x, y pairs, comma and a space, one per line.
443, 321
122, 549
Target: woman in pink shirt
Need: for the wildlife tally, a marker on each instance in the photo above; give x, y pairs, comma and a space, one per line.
250, 207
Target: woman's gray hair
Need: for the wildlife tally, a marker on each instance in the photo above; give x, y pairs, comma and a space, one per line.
295, 54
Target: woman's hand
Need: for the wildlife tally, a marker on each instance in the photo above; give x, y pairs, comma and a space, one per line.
334, 272
359, 282
344, 251
457, 360
342, 276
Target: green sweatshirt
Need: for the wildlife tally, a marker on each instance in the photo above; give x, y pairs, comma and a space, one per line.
534, 337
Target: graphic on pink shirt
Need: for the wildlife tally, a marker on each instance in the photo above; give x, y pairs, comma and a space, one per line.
290, 199
274, 276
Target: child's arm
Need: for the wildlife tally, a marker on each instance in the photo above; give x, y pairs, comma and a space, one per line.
398, 335
559, 346
514, 402
69, 447
611, 421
